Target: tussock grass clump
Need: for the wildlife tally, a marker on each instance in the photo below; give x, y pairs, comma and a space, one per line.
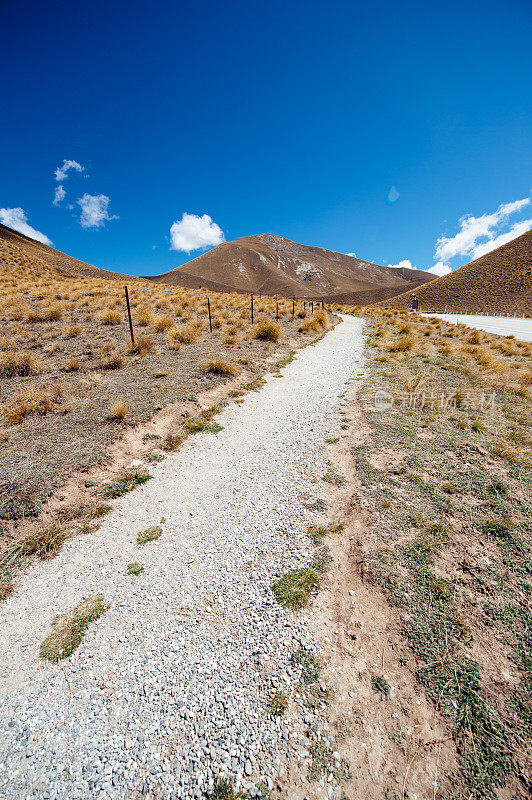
110, 316
69, 629
110, 359
72, 331
402, 345
18, 363
187, 334
215, 367
150, 534
40, 401
294, 589
46, 543
161, 323
72, 365
267, 331
172, 339
118, 412
317, 322
135, 568
143, 345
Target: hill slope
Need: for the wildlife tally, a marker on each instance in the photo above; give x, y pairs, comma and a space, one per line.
274, 265
499, 282
65, 265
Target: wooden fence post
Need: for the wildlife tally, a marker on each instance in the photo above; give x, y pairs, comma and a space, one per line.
276, 308
293, 306
129, 317
312, 307
210, 319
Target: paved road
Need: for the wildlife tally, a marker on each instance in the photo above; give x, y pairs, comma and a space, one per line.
170, 687
502, 326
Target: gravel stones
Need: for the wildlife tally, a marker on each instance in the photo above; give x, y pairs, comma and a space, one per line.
170, 688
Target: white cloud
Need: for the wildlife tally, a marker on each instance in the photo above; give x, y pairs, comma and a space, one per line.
465, 242
61, 173
193, 232
440, 269
516, 230
94, 210
405, 264
16, 218
353, 255
59, 195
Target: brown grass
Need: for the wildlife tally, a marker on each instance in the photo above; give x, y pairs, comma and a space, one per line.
39, 401
18, 363
216, 367
118, 412
267, 331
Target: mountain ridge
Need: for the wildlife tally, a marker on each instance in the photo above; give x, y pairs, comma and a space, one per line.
270, 264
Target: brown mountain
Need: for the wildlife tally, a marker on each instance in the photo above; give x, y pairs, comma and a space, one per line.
498, 282
271, 265
64, 264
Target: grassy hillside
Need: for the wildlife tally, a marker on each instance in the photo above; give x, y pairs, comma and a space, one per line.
499, 282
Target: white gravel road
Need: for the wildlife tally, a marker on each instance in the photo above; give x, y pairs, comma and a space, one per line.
502, 326
169, 689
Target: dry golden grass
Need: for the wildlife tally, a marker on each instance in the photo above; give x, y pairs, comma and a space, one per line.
72, 364
109, 317
38, 401
143, 345
267, 331
118, 412
186, 334
161, 323
216, 367
18, 363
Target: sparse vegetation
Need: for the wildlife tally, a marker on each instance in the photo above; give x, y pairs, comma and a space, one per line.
135, 569
126, 484
294, 589
150, 534
278, 704
70, 628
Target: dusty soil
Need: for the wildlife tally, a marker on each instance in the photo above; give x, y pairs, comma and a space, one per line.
394, 746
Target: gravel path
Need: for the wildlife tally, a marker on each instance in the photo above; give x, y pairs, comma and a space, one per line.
169, 689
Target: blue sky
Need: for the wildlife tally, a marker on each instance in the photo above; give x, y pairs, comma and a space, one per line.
366, 128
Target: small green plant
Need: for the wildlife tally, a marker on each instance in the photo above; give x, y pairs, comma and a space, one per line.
499, 528
294, 589
69, 629
380, 685
135, 568
196, 425
172, 442
223, 790
278, 704
304, 660
126, 484
332, 440
334, 477
149, 535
